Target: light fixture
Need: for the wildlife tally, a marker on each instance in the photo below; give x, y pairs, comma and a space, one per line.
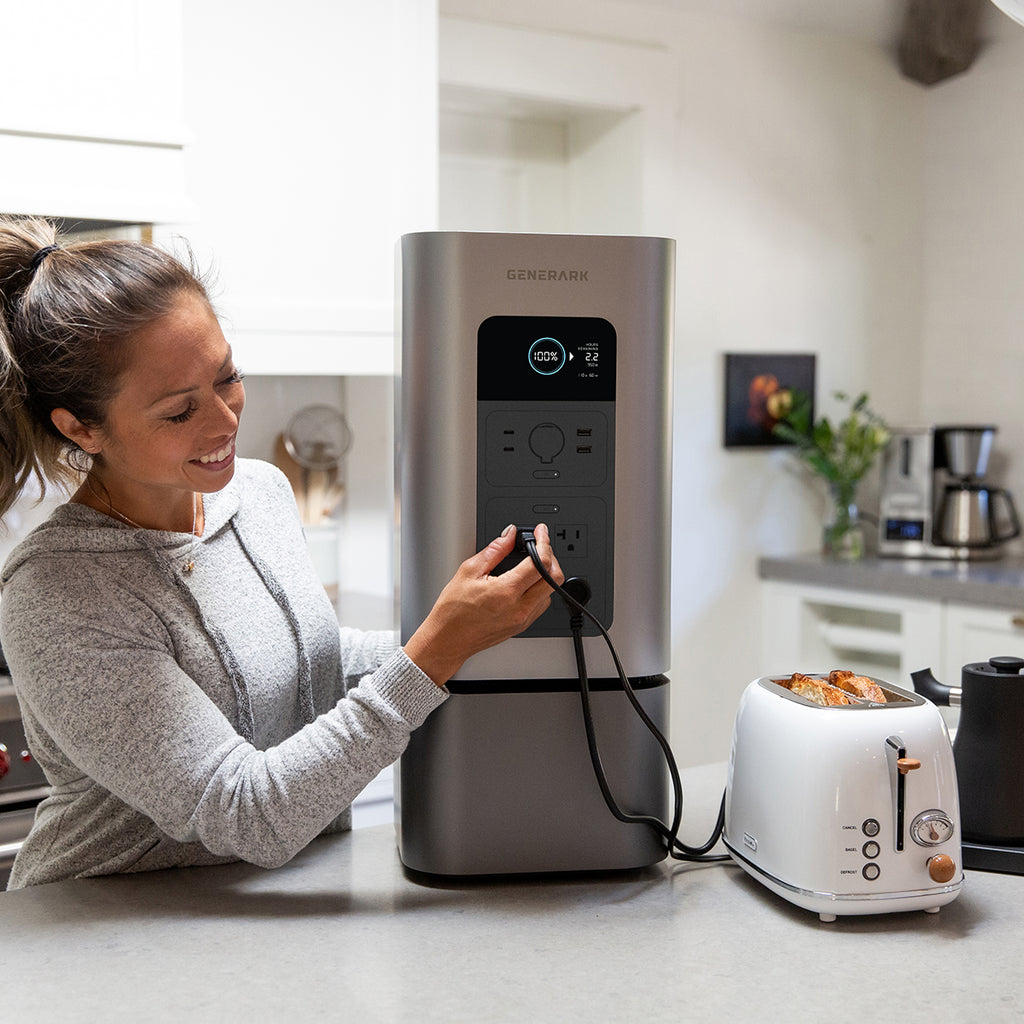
1013, 8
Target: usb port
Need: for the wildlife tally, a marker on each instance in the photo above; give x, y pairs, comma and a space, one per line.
584, 449
584, 431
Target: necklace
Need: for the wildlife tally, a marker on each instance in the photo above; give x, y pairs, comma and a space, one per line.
190, 562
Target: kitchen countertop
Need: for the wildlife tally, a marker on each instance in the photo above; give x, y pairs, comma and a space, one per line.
998, 583
340, 933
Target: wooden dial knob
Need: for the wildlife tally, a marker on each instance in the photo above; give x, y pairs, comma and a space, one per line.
941, 868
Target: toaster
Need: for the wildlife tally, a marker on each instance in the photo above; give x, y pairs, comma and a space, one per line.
849, 809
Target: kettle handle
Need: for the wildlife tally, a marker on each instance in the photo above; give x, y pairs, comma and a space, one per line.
1011, 515
928, 686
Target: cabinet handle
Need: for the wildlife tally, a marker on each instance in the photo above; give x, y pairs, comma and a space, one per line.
1017, 621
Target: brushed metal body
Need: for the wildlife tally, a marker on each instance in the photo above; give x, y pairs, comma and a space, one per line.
498, 780
450, 283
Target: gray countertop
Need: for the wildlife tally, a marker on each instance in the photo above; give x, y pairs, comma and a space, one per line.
999, 584
341, 934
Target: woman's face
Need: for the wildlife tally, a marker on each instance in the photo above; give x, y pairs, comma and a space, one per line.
170, 430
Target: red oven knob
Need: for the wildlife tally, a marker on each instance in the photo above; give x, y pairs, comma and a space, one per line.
5, 761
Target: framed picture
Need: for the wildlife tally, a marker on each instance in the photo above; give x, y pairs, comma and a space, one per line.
759, 391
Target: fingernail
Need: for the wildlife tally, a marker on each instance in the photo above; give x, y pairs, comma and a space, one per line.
508, 529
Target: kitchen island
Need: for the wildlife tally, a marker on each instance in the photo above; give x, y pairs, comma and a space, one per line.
341, 933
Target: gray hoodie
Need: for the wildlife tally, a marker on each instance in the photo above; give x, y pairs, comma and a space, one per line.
193, 719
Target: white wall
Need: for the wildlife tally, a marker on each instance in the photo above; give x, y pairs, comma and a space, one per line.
799, 163
794, 188
973, 365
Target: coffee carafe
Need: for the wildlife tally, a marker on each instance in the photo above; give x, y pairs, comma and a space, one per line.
974, 516
989, 758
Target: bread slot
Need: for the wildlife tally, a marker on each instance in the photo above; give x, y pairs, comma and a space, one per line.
840, 688
815, 690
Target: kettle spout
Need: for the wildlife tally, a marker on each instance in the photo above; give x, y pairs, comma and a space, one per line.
928, 686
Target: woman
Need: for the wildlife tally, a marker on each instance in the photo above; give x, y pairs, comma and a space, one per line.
182, 677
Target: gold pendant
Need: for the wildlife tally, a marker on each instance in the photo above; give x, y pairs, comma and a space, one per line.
188, 567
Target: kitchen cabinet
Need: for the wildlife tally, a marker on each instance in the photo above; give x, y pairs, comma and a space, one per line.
813, 629
314, 149
889, 618
974, 633
92, 125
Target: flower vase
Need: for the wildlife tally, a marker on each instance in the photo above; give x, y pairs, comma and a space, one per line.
843, 536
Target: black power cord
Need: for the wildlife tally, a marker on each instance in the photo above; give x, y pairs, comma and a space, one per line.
576, 603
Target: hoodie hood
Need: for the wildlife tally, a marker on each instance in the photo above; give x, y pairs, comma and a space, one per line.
78, 528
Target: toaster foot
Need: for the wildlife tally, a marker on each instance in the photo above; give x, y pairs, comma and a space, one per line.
827, 918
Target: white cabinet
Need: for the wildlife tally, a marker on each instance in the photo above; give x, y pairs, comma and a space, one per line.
975, 633
91, 123
815, 629
314, 149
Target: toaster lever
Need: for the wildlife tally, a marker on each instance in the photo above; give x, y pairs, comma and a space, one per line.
899, 765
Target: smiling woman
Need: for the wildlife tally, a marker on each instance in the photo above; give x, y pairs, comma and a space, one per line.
169, 433
182, 677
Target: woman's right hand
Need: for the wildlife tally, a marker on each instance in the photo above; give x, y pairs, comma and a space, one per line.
477, 610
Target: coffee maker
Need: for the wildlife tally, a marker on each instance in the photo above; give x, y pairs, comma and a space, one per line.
933, 502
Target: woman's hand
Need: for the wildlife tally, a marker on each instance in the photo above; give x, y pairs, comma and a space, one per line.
477, 610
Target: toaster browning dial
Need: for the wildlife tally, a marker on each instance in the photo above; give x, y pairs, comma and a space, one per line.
930, 828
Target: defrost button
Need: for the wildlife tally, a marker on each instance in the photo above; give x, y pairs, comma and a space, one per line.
871, 871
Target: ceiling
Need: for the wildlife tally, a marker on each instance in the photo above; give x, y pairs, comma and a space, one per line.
877, 21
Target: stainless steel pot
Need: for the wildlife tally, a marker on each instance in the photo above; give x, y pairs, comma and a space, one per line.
973, 516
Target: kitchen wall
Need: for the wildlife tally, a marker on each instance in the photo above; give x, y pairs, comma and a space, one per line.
796, 171
800, 160
973, 308
834, 208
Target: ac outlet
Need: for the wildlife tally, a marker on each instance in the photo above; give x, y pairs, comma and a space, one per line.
569, 541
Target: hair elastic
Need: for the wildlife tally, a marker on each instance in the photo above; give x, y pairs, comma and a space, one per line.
41, 255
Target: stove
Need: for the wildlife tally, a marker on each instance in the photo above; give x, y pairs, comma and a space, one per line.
22, 783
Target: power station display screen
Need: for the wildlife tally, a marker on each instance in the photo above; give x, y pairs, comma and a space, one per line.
546, 358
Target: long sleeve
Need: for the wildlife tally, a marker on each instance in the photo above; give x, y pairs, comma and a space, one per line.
135, 683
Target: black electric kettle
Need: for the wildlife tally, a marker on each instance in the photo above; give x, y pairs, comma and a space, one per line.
988, 748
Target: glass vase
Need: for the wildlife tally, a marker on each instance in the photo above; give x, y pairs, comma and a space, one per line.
843, 535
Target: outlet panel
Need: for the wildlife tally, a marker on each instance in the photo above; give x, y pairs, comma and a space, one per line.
546, 445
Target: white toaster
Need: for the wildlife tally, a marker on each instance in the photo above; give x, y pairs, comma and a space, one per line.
849, 809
